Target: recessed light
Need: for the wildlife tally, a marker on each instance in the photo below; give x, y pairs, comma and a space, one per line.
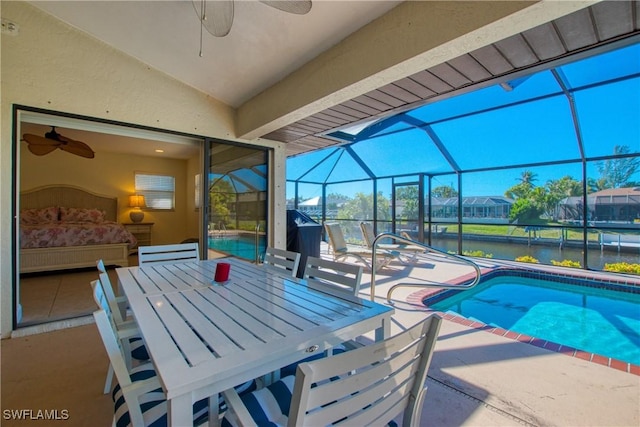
159, 151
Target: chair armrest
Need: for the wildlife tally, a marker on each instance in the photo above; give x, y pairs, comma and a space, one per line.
235, 404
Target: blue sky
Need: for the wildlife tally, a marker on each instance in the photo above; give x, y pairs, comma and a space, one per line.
531, 124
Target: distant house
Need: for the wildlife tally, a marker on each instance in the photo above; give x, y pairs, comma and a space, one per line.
613, 204
493, 209
313, 207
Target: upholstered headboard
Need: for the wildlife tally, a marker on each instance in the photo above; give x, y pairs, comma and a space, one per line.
70, 197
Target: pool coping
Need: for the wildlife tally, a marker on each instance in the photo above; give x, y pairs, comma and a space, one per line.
632, 285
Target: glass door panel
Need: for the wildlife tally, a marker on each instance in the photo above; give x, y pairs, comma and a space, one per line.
237, 210
406, 209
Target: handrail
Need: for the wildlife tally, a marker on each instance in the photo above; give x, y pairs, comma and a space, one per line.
257, 244
427, 285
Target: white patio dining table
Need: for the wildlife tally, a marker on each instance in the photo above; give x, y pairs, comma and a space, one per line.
205, 337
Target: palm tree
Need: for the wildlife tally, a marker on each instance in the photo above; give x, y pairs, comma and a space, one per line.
528, 177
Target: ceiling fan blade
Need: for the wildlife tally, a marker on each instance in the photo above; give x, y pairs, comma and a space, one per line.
215, 15
39, 140
41, 150
299, 7
76, 147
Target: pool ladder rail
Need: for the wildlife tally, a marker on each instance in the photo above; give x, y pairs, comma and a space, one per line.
428, 248
222, 230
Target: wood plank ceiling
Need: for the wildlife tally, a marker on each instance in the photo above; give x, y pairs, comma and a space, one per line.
598, 25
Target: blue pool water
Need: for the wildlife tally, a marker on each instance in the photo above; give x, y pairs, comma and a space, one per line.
239, 246
592, 319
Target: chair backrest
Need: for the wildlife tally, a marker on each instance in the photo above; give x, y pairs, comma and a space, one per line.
103, 304
281, 259
336, 237
168, 254
99, 296
369, 385
332, 277
119, 313
114, 351
367, 233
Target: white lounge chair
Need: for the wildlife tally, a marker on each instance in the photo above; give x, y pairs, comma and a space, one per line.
341, 250
401, 250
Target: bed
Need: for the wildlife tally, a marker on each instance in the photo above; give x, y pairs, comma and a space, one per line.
64, 227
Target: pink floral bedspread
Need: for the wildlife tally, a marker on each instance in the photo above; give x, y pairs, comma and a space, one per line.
73, 234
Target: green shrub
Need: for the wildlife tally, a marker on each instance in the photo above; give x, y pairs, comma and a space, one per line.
477, 253
527, 258
566, 263
623, 267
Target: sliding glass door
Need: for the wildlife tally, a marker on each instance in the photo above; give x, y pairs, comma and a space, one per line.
236, 215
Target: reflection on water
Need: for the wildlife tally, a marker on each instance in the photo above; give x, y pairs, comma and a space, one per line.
544, 254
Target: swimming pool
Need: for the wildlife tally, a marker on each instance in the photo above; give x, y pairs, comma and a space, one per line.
240, 246
595, 317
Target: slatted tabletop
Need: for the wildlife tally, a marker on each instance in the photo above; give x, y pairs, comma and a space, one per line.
205, 338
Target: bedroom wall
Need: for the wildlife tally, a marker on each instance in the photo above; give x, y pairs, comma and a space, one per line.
113, 175
53, 66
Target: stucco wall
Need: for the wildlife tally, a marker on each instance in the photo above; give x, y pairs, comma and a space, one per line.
53, 66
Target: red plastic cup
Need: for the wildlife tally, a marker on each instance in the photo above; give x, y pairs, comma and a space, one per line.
222, 272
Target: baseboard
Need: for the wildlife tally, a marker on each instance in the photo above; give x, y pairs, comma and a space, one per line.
52, 326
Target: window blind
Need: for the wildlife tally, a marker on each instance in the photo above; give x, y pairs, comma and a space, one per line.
158, 190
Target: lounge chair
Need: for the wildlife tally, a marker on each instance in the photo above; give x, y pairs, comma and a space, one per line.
400, 250
342, 250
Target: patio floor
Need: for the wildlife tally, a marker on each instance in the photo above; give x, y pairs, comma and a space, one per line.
476, 378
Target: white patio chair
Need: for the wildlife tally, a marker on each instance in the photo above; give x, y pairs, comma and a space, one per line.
335, 278
282, 260
332, 277
127, 332
118, 304
168, 254
138, 397
367, 386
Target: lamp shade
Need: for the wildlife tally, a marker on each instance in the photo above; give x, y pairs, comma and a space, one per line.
136, 201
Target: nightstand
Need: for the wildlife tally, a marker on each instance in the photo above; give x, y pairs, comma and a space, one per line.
141, 231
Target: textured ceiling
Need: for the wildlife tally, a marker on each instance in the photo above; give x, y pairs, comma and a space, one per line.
539, 47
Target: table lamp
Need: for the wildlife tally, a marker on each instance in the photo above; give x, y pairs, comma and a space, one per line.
136, 202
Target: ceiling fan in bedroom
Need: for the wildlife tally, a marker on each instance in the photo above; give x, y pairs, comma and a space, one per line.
41, 145
216, 16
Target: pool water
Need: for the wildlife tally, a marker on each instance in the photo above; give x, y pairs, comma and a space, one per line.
239, 246
595, 320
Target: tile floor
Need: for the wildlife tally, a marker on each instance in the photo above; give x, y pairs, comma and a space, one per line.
66, 294
59, 295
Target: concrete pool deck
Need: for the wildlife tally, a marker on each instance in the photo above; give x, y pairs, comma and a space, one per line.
479, 378
476, 378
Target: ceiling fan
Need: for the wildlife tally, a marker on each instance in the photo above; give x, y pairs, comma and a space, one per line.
40, 146
217, 15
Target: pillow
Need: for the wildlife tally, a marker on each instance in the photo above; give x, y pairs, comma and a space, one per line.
81, 215
39, 216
